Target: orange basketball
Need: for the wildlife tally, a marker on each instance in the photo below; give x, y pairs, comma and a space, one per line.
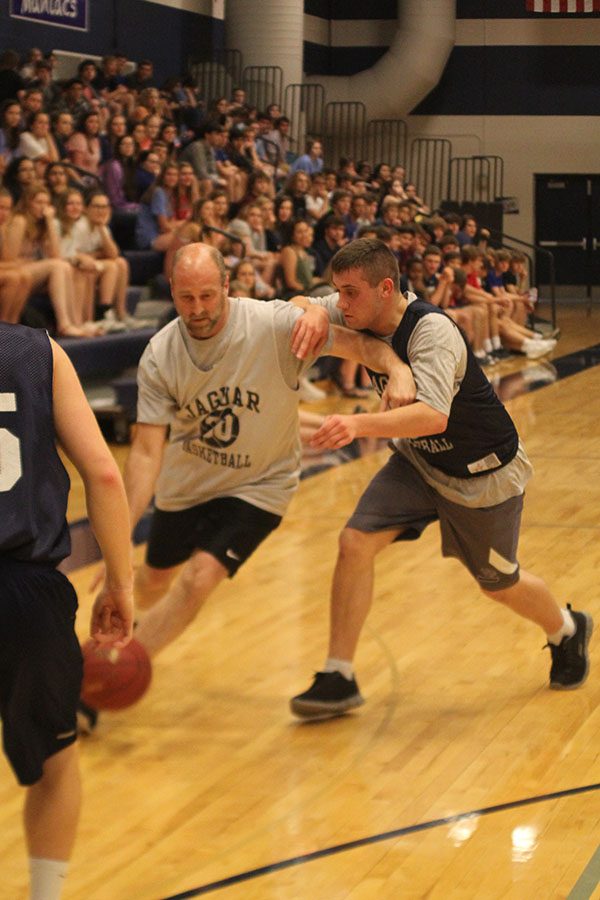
114, 678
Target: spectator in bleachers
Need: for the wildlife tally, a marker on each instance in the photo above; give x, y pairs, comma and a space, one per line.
142, 77
259, 245
202, 154
406, 212
340, 206
312, 160
12, 85
73, 234
43, 81
297, 188
411, 195
112, 266
152, 101
359, 213
87, 72
197, 227
503, 330
381, 178
468, 231
27, 70
148, 168
280, 137
498, 266
168, 134
38, 144
317, 199
84, 144
62, 129
10, 129
119, 177
19, 176
390, 212
297, 264
220, 209
116, 128
72, 100
324, 249
284, 219
447, 292
140, 138
449, 244
156, 223
413, 279
517, 277
57, 181
236, 154
15, 283
406, 234
32, 241
187, 192
32, 103
246, 282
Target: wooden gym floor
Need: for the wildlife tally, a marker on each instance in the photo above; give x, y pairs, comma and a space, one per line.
463, 776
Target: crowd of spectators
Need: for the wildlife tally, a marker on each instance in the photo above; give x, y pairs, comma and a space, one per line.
108, 147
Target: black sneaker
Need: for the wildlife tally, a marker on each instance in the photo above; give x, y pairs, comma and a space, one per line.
501, 353
87, 718
329, 695
570, 660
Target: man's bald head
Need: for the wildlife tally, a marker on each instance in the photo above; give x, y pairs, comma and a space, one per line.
194, 256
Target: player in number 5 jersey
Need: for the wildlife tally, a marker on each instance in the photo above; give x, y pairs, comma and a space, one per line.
42, 402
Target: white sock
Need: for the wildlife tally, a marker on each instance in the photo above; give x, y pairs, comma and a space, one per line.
343, 666
567, 630
496, 342
487, 345
47, 878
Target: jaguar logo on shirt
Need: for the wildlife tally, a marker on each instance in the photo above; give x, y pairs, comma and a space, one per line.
220, 428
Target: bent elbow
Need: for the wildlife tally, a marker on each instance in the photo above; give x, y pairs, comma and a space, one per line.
440, 424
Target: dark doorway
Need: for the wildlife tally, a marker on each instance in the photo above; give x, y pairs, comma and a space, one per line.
567, 222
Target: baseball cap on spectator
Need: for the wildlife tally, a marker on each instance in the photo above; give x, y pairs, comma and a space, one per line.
237, 131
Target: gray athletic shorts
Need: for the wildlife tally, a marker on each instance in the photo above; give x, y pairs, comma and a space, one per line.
484, 539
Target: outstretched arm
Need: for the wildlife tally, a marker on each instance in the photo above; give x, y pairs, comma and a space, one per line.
79, 435
378, 356
416, 420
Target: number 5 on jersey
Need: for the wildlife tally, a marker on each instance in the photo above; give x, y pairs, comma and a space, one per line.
10, 448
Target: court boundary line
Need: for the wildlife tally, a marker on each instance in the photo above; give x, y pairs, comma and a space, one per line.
289, 863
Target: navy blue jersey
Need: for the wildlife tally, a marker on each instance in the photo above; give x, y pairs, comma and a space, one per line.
34, 485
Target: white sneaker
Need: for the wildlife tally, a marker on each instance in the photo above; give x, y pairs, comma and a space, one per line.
308, 392
536, 349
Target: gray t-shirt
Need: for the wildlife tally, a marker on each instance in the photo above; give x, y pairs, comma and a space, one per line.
438, 359
231, 404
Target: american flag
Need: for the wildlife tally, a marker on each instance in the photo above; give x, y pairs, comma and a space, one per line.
563, 6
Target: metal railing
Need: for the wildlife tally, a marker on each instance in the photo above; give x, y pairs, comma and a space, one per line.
386, 140
429, 167
263, 85
344, 124
475, 178
304, 105
217, 77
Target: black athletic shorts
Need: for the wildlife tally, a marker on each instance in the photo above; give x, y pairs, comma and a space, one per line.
40, 665
228, 528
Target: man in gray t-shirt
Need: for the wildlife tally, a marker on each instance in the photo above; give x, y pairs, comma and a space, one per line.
457, 459
217, 441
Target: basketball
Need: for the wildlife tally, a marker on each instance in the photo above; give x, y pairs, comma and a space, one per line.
114, 678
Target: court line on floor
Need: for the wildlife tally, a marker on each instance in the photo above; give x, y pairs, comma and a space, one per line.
589, 880
592, 870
